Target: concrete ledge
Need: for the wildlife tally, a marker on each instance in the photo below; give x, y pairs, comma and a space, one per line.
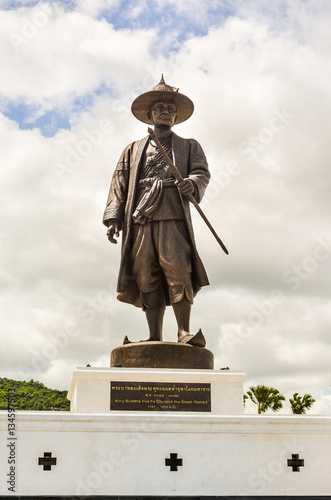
164, 422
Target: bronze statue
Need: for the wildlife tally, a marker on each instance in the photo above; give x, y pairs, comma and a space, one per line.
160, 265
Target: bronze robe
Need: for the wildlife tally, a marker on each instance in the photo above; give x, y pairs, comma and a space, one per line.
191, 162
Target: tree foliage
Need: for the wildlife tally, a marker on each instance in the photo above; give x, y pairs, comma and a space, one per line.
266, 398
300, 404
32, 396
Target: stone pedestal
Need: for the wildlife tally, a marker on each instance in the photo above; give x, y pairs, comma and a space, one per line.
162, 355
90, 390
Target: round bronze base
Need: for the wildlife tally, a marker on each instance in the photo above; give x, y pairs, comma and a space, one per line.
162, 355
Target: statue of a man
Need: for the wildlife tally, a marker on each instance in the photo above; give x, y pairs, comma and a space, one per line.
160, 265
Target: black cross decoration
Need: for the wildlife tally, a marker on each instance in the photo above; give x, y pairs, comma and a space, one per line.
47, 460
173, 462
295, 462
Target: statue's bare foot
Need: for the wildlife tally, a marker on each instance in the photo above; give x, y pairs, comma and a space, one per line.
197, 340
152, 339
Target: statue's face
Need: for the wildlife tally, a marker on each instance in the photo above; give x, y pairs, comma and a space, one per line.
163, 114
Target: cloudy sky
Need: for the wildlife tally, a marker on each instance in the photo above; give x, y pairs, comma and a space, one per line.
259, 74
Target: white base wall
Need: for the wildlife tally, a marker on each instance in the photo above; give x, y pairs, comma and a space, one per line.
222, 452
124, 454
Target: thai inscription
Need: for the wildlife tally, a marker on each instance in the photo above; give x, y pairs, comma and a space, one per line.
161, 396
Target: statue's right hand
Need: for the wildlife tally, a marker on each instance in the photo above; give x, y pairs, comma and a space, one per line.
113, 229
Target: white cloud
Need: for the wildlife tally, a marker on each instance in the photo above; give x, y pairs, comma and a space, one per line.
52, 56
262, 110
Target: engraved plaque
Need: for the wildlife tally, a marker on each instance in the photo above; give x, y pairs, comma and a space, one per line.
159, 396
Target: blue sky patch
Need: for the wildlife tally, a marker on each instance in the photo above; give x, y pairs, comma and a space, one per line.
50, 121
28, 117
166, 18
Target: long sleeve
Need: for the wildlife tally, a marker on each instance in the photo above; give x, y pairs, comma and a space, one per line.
118, 189
198, 169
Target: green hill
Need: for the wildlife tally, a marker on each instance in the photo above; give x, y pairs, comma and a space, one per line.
32, 396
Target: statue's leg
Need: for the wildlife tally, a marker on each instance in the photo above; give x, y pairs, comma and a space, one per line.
148, 276
155, 323
182, 312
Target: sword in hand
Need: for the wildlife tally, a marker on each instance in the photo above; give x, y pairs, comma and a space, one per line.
175, 172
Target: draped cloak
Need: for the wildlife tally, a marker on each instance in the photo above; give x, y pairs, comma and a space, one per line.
191, 162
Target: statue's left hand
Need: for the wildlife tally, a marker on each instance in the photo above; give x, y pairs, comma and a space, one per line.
186, 186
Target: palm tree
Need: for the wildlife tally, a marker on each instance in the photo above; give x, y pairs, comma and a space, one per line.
300, 404
266, 397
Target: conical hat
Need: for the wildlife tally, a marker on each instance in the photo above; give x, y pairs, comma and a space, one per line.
162, 92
